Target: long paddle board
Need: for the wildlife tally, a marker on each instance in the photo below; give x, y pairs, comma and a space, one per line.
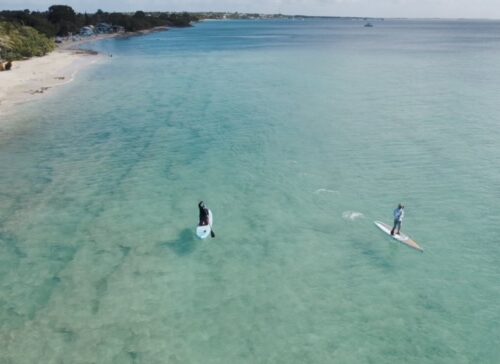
402, 238
203, 231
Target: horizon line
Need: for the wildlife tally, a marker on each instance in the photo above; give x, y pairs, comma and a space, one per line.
274, 14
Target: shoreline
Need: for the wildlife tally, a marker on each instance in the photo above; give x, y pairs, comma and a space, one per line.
31, 79
73, 43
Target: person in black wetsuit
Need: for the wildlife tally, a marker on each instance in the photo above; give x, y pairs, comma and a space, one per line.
203, 214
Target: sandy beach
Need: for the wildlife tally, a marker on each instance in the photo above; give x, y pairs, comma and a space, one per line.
31, 79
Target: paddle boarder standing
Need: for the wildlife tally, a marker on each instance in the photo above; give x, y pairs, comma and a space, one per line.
399, 213
203, 214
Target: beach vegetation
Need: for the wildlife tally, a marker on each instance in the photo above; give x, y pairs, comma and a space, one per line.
34, 19
20, 42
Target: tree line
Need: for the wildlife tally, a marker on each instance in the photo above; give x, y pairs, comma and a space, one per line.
61, 20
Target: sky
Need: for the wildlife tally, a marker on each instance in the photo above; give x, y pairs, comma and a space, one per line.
488, 9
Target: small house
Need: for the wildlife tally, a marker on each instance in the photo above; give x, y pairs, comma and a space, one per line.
87, 31
104, 28
118, 29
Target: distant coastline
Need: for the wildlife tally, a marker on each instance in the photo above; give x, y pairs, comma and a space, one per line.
75, 42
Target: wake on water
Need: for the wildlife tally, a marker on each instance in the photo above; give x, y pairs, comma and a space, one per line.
324, 190
352, 215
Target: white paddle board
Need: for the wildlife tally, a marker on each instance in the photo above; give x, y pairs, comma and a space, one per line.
203, 231
402, 238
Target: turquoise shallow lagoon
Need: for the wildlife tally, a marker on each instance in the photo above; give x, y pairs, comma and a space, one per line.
297, 134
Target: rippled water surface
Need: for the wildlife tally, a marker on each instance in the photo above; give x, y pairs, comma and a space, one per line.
297, 134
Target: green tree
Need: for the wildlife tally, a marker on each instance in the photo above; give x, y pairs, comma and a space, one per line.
87, 19
139, 14
58, 13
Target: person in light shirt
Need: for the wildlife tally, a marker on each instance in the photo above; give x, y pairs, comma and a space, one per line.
399, 214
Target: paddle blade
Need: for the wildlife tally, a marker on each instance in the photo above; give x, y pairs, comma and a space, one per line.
212, 234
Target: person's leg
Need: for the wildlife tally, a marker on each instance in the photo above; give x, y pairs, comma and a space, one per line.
394, 227
399, 227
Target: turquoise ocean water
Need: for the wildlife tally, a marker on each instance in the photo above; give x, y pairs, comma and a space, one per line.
297, 134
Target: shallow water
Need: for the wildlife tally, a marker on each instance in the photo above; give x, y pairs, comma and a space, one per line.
297, 135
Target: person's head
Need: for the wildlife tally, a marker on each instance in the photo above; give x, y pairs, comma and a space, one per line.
201, 204
400, 206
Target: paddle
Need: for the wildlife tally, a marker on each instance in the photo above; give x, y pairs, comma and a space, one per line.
212, 234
